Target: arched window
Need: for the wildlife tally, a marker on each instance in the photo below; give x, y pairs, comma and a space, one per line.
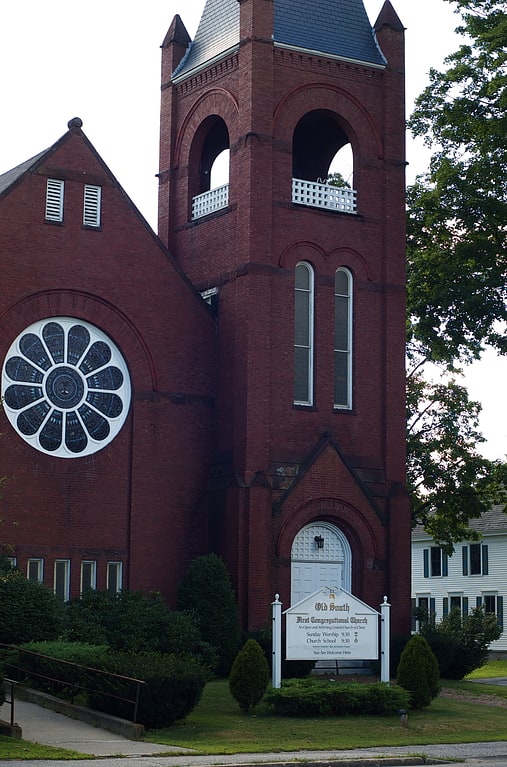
343, 339
209, 168
323, 163
303, 334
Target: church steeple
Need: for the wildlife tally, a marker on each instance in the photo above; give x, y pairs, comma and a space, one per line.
333, 27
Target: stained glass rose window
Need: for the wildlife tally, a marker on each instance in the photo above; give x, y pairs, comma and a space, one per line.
65, 387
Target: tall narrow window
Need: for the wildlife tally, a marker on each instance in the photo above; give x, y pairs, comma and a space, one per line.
91, 205
62, 579
343, 339
88, 575
303, 335
114, 577
35, 570
54, 199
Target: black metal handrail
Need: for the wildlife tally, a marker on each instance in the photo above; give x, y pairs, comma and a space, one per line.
74, 685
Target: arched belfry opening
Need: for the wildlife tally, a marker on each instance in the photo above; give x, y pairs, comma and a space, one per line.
323, 163
209, 167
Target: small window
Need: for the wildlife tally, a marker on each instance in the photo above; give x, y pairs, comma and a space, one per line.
91, 205
12, 561
88, 575
455, 602
475, 559
492, 605
54, 199
114, 577
343, 339
35, 570
435, 562
303, 335
61, 583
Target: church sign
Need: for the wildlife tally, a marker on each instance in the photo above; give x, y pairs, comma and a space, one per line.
331, 624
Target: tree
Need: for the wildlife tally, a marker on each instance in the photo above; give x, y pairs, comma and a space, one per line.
249, 675
457, 246
456, 273
207, 591
418, 672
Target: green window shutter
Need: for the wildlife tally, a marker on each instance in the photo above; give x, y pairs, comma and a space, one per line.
478, 601
499, 611
445, 606
464, 558
413, 606
445, 564
432, 607
465, 605
485, 563
426, 563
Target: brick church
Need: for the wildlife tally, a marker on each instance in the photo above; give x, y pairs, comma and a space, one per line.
235, 383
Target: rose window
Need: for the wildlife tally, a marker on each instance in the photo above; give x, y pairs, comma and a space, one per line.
65, 387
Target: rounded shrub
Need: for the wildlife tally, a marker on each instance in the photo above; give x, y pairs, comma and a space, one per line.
249, 675
29, 610
172, 687
418, 672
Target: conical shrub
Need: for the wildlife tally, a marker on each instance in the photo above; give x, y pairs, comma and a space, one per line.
249, 675
418, 672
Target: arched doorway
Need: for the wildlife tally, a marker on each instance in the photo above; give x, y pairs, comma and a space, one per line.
320, 556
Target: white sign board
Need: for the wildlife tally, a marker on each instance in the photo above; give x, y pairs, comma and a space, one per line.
331, 624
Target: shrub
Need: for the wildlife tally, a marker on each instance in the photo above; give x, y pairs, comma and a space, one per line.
46, 665
315, 697
173, 687
29, 610
461, 642
249, 675
418, 672
135, 622
207, 592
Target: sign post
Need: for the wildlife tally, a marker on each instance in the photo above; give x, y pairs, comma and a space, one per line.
276, 666
385, 636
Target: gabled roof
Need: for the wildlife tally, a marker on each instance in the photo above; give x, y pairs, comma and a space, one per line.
11, 176
494, 520
333, 27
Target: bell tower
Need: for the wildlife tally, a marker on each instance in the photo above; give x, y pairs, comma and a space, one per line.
299, 241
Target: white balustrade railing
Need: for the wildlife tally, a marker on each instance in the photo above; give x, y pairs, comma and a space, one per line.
209, 202
326, 196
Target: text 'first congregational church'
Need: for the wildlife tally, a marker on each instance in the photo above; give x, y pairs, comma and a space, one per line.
235, 384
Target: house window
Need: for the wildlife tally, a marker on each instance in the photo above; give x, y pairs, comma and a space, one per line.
88, 575
455, 602
493, 605
114, 577
61, 583
343, 339
35, 570
475, 559
435, 562
303, 335
91, 205
54, 199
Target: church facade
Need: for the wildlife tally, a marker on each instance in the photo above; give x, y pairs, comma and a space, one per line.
235, 384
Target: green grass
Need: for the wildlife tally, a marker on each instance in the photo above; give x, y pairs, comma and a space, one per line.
217, 726
489, 670
14, 749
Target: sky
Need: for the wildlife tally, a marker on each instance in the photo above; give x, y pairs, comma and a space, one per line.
100, 61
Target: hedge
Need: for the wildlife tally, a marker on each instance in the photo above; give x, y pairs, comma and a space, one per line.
313, 697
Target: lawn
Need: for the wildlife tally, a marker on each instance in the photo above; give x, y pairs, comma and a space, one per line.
217, 726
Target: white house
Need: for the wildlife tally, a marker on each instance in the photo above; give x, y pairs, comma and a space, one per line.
476, 574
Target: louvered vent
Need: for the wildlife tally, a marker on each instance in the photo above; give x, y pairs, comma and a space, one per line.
54, 199
91, 206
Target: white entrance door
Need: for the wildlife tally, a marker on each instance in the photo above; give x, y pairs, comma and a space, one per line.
320, 557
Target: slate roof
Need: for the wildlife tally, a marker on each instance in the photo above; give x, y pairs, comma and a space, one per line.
11, 176
494, 520
335, 27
